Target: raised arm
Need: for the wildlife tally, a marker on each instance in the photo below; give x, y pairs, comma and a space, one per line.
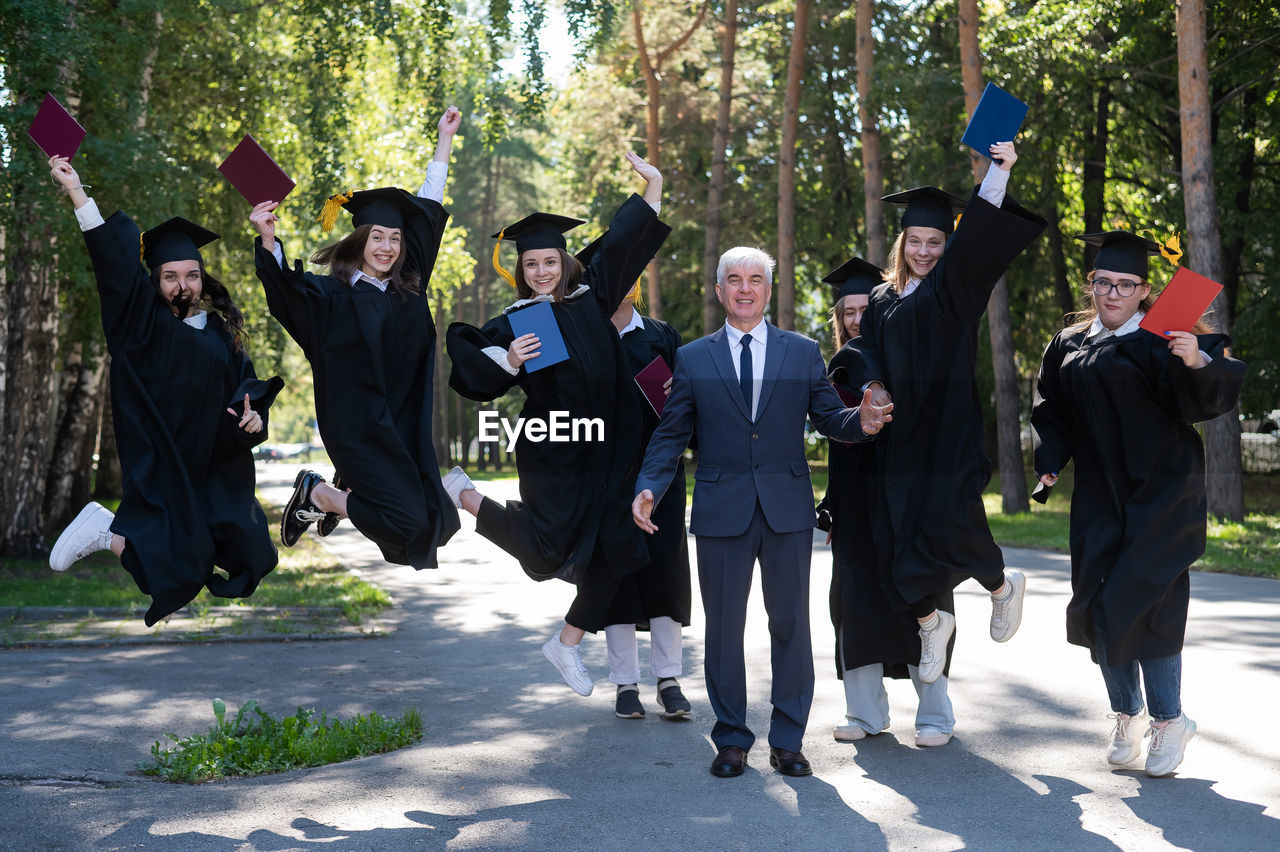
618, 258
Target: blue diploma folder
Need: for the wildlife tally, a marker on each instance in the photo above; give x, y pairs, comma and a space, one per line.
539, 319
997, 119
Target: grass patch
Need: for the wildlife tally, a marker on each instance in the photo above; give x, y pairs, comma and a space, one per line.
306, 576
255, 743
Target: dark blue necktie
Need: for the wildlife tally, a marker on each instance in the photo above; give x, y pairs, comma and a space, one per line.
744, 371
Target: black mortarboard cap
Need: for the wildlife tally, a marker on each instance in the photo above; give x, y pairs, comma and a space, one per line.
387, 206
1121, 251
539, 231
854, 277
177, 239
927, 207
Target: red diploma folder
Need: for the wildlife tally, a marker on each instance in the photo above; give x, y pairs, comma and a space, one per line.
55, 130
1181, 304
651, 380
254, 174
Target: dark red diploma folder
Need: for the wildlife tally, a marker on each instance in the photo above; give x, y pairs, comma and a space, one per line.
1181, 304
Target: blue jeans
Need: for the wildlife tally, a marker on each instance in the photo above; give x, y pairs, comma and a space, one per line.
1162, 677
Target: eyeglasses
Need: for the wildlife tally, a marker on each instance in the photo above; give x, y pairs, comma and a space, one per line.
1103, 286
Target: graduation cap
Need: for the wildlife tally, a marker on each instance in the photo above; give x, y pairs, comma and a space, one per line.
536, 231
927, 207
177, 239
1121, 251
388, 206
55, 130
854, 277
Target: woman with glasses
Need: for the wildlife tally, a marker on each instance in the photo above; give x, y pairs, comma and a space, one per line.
1120, 401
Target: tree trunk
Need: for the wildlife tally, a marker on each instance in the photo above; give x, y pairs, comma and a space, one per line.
872, 166
1094, 174
651, 70
1013, 477
1224, 482
108, 481
786, 290
715, 191
71, 468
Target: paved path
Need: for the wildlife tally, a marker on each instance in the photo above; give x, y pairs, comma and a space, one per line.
513, 759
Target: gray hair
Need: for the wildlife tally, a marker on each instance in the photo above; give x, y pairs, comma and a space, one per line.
745, 256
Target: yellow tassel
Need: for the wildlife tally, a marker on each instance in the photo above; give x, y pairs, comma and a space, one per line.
142, 246
497, 263
1170, 249
637, 294
956, 223
329, 213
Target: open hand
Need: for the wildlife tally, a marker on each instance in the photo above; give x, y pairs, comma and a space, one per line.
642, 510
250, 421
643, 168
873, 417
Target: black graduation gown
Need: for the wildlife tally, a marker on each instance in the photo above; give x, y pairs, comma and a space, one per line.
575, 496
868, 629
1123, 410
930, 466
661, 588
372, 356
188, 493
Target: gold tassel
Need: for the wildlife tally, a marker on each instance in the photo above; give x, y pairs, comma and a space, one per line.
329, 213
1170, 249
956, 223
637, 294
497, 262
142, 246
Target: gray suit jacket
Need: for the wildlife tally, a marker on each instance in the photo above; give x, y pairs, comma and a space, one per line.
741, 461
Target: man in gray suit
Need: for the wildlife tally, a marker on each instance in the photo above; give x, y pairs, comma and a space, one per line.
746, 390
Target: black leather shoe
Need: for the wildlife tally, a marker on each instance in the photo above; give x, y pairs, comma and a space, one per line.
730, 762
300, 512
331, 519
791, 763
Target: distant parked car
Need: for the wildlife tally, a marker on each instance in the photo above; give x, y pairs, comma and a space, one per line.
263, 452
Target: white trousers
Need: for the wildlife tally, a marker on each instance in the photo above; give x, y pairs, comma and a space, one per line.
867, 703
624, 651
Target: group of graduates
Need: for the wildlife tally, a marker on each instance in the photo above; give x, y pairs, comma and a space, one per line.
904, 511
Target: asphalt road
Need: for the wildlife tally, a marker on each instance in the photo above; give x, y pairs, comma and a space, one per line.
513, 759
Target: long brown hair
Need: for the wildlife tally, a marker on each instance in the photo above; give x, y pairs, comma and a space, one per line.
839, 334
570, 277
214, 294
346, 257
1082, 319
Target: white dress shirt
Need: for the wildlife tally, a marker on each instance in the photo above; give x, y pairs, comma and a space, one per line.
758, 347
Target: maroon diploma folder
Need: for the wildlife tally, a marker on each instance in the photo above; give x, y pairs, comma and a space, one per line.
55, 130
252, 171
651, 380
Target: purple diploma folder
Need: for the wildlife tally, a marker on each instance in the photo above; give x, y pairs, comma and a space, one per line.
254, 174
652, 380
55, 130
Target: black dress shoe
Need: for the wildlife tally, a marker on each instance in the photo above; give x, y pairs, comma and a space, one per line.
730, 762
331, 519
300, 512
791, 763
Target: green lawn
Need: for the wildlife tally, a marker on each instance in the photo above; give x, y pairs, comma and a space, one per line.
307, 575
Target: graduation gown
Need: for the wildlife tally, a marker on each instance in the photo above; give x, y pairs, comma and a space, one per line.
188, 493
929, 465
1122, 409
575, 496
372, 355
661, 587
868, 629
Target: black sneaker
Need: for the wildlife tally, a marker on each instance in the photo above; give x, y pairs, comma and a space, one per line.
674, 704
300, 512
330, 521
627, 705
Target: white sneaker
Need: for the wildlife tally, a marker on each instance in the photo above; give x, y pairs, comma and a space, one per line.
89, 532
455, 482
933, 647
1006, 615
568, 662
1126, 737
1168, 744
931, 738
850, 731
